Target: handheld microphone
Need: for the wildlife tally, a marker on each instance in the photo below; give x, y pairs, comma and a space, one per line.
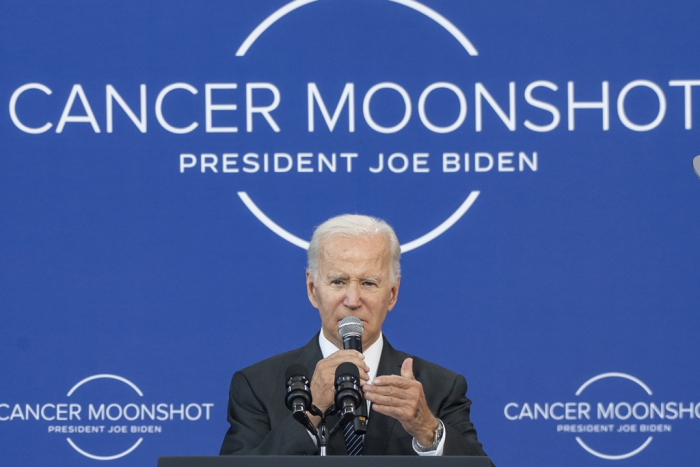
348, 395
298, 394
351, 331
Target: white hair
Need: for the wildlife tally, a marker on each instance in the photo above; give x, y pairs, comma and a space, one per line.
354, 226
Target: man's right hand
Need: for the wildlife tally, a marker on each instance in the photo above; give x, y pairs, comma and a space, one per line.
323, 379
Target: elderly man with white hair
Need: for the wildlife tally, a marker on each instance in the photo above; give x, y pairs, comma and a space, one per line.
416, 407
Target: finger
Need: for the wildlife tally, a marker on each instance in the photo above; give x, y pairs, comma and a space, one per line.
389, 401
407, 369
394, 380
375, 392
402, 393
352, 356
399, 413
342, 356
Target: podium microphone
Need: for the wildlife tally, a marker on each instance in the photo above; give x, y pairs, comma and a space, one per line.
298, 394
348, 395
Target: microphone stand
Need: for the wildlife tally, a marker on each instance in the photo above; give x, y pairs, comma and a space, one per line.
321, 433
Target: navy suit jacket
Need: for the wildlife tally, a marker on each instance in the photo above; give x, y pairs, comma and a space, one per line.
262, 424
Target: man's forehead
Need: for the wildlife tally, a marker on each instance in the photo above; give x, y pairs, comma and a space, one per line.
365, 252
374, 246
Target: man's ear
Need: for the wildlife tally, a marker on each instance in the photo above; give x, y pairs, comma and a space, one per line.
394, 293
311, 289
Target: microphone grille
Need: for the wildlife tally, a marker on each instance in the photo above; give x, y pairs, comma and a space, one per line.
351, 327
296, 369
347, 369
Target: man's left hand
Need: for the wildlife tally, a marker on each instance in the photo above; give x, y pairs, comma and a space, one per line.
402, 398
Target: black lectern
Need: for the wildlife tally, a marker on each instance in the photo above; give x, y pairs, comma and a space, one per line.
329, 461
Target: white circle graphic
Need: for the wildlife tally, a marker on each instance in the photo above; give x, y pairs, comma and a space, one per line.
618, 456
417, 6
115, 456
412, 245
449, 27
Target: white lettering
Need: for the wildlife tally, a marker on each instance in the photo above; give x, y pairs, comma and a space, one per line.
532, 163
278, 157
505, 162
477, 164
349, 156
209, 108
505, 411
348, 95
621, 105
420, 163
13, 108
89, 117
688, 88
187, 161
462, 108
366, 108
393, 167
263, 110
209, 161
480, 91
450, 162
113, 95
603, 104
159, 108
556, 116
229, 163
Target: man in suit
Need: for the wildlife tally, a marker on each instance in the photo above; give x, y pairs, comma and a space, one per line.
417, 407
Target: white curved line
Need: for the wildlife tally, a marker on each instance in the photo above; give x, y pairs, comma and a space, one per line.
613, 375
440, 229
269, 21
291, 238
419, 7
104, 458
119, 378
442, 21
270, 224
614, 458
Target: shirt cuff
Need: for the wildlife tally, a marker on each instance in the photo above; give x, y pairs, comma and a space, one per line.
440, 448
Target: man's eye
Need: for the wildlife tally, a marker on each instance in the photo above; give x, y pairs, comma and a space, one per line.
336, 282
370, 284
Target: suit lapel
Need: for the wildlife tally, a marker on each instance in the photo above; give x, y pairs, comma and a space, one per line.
379, 426
310, 355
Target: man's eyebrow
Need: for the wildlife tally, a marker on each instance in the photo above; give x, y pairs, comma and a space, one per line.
371, 279
333, 277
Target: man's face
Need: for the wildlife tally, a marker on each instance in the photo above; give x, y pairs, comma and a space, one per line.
353, 280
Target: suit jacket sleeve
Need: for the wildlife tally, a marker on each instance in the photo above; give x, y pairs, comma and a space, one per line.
254, 431
461, 437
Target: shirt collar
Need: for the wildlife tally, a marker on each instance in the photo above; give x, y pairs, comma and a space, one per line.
372, 354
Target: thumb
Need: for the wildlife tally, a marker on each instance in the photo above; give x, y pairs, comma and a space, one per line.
407, 369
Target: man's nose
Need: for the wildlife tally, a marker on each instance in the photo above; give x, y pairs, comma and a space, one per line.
353, 297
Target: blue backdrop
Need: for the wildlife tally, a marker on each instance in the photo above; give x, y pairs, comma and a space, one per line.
533, 157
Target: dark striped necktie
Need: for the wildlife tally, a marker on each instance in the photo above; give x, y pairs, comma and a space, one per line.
353, 442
